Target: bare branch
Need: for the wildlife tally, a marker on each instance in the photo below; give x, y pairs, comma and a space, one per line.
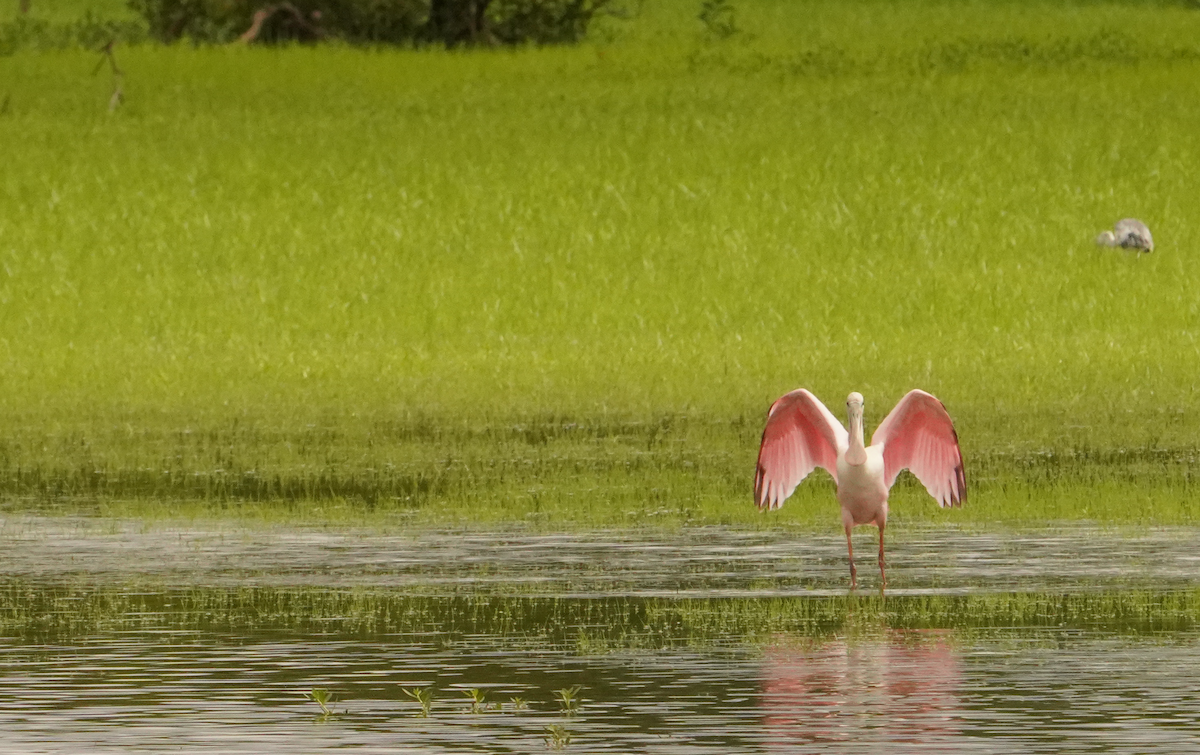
291, 12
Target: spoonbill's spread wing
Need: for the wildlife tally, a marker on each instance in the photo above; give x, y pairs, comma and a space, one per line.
801, 435
919, 436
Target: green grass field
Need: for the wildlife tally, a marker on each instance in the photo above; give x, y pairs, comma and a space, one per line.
562, 285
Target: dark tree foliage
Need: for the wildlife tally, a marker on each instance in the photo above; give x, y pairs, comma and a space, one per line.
546, 21
456, 22
448, 22
359, 21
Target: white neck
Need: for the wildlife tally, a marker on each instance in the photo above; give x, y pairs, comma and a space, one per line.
857, 452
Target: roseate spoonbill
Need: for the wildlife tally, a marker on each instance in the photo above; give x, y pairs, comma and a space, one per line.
1129, 233
801, 435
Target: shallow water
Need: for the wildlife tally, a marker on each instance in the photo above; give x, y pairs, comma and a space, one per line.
243, 694
151, 683
704, 562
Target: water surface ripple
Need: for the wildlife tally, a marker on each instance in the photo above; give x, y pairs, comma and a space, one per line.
701, 562
1047, 689
885, 695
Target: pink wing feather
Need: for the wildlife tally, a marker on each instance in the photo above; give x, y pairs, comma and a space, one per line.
918, 435
801, 435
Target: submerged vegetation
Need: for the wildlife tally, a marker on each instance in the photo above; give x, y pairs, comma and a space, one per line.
561, 286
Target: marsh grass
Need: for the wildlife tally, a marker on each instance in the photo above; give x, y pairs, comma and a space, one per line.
585, 626
324, 698
561, 286
568, 699
477, 698
423, 697
671, 472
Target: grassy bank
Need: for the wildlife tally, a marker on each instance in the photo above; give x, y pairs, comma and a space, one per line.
563, 285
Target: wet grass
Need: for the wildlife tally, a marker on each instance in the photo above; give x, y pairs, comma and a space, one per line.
52, 613
676, 471
561, 286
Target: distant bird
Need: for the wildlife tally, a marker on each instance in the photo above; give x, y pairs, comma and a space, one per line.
1129, 233
801, 435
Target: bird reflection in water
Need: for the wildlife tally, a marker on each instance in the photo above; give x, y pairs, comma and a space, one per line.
900, 689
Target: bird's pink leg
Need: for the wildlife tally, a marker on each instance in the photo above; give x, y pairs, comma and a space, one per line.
850, 548
882, 574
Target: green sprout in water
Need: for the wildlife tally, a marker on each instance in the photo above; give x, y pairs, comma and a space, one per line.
478, 699
322, 697
424, 697
568, 698
557, 737
519, 703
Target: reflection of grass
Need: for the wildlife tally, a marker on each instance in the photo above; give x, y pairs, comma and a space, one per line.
586, 326
40, 613
557, 737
